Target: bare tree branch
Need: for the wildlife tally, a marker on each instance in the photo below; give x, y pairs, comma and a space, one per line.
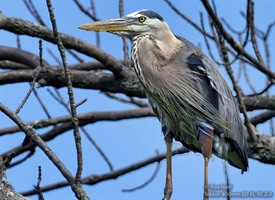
84, 119
262, 117
187, 19
34, 12
94, 179
258, 65
19, 26
77, 188
34, 79
30, 132
21, 56
6, 192
146, 183
85, 11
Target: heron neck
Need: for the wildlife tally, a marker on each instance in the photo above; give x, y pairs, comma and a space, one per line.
168, 46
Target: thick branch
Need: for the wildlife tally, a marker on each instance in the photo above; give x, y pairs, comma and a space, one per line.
55, 77
259, 102
106, 82
20, 56
263, 149
7, 193
23, 27
81, 79
263, 117
10, 65
87, 118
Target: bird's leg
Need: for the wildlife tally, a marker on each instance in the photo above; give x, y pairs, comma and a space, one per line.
168, 184
205, 136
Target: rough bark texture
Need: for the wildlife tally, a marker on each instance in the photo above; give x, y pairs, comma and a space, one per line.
263, 149
6, 193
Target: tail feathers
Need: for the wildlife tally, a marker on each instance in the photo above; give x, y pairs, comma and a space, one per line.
238, 157
231, 151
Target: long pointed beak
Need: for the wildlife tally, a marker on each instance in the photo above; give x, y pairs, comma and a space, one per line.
112, 25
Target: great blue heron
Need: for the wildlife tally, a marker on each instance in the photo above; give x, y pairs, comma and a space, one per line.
187, 92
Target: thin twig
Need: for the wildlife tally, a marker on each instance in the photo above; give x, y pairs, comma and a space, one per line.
32, 84
124, 39
70, 93
18, 42
85, 11
131, 100
238, 92
173, 7
98, 149
267, 58
270, 26
91, 140
263, 91
30, 132
81, 102
253, 37
54, 56
17, 162
248, 22
75, 55
41, 103
231, 28
30, 6
241, 62
209, 48
222, 34
37, 187
246, 76
226, 174
208, 45
92, 180
239, 73
78, 190
211, 24
258, 31
145, 183
34, 90
94, 14
60, 99
258, 65
206, 40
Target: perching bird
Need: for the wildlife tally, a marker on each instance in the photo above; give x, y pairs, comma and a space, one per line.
187, 92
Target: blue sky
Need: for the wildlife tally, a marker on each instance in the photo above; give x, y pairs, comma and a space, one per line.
128, 141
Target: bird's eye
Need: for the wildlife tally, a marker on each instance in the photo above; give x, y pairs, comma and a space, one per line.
142, 19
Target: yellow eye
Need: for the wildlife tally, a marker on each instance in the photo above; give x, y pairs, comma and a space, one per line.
142, 19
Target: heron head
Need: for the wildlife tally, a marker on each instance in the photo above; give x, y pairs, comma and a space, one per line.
138, 23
